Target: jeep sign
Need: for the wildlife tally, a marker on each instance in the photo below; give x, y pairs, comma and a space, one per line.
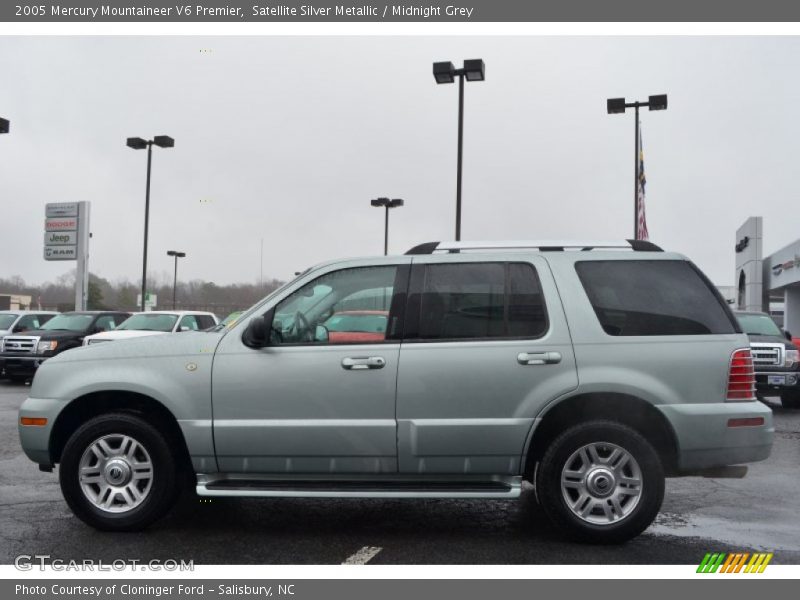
60, 238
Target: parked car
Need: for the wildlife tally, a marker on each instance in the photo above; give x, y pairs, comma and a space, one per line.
775, 359
17, 321
22, 354
155, 323
591, 369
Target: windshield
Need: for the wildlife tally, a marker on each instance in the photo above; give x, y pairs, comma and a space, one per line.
758, 325
6, 321
231, 318
67, 322
147, 322
274, 292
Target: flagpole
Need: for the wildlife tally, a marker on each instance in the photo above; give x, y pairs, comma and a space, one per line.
636, 178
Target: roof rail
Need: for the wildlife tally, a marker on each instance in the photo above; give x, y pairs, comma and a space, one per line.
541, 245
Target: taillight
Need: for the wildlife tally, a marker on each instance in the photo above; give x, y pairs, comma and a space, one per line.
741, 377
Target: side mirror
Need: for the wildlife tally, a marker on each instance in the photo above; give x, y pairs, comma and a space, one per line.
787, 335
17, 329
184, 328
321, 334
257, 333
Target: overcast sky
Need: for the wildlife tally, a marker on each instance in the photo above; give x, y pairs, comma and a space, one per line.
288, 138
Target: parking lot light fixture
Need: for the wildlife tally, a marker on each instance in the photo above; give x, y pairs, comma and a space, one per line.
177, 255
616, 106
164, 141
444, 72
387, 204
137, 143
474, 70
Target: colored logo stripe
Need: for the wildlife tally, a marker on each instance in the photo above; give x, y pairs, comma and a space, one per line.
734, 563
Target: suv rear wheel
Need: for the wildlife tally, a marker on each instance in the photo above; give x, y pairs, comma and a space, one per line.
601, 481
117, 473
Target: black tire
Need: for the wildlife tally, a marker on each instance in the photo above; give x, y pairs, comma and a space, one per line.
163, 489
555, 459
790, 399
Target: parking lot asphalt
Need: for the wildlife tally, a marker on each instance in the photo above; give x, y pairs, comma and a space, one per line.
699, 515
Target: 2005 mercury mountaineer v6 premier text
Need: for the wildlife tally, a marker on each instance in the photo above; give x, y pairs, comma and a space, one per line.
592, 369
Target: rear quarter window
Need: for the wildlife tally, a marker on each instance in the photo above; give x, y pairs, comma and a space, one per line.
653, 297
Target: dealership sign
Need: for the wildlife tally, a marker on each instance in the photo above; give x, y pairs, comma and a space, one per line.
785, 266
742, 244
66, 237
61, 224
60, 238
61, 209
60, 252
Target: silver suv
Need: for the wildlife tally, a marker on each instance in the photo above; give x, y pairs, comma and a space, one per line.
592, 370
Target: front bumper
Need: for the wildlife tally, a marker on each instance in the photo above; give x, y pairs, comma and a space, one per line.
21, 364
777, 381
35, 439
706, 440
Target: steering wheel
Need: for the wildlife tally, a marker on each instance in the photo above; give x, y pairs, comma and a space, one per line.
302, 327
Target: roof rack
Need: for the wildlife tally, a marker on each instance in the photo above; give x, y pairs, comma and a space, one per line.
542, 245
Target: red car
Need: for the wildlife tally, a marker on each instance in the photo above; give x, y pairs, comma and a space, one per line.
349, 326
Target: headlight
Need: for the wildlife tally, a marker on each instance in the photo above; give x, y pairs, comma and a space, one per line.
792, 358
43, 347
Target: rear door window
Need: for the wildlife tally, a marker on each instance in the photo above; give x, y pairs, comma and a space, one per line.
653, 297
476, 301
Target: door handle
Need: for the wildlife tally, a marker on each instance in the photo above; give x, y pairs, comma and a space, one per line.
538, 358
363, 362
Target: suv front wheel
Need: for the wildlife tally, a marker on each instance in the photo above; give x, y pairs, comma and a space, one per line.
600, 481
117, 473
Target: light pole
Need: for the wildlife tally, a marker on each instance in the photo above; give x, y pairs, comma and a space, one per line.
385, 202
445, 72
162, 141
617, 106
5, 125
177, 255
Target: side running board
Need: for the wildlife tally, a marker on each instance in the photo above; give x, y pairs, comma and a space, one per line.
285, 488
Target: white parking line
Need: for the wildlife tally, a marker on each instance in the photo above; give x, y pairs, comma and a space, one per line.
363, 556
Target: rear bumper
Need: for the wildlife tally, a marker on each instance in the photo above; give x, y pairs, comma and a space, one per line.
706, 440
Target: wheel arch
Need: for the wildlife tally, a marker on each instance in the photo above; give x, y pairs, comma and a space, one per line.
629, 410
79, 410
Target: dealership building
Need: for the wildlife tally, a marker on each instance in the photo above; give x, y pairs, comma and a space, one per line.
767, 282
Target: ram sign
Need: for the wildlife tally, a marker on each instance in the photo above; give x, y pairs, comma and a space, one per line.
60, 252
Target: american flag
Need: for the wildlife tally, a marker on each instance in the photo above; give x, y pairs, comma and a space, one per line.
641, 220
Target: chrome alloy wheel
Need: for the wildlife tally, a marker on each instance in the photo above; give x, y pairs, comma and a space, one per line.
601, 483
115, 473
